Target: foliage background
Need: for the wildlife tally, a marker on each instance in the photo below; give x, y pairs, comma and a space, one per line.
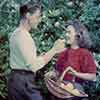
55, 13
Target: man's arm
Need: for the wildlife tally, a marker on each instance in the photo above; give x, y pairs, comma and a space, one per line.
40, 61
57, 48
35, 62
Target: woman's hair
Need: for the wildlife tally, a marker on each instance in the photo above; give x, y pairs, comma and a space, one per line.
28, 8
82, 34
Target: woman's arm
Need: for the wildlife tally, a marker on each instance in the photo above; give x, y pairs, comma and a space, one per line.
85, 76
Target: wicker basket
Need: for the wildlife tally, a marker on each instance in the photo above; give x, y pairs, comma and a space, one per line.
55, 88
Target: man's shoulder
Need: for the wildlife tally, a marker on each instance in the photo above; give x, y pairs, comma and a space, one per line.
14, 34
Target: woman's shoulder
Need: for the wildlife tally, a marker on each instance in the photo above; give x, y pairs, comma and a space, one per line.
84, 51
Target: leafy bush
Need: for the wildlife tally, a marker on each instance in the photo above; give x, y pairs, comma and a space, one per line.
55, 14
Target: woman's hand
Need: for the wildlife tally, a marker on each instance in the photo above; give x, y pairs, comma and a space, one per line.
71, 71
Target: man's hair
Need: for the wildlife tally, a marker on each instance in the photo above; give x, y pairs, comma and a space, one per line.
82, 34
28, 8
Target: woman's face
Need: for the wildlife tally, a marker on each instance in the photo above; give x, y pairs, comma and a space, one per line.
70, 35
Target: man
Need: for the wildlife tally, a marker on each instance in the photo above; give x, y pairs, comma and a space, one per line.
23, 58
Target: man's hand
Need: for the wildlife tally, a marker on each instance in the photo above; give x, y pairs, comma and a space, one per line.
59, 45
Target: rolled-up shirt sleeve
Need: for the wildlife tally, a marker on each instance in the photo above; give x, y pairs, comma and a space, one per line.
88, 63
27, 49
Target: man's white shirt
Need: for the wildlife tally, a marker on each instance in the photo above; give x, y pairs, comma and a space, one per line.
23, 52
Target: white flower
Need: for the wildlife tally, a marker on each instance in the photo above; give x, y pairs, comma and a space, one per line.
70, 3
57, 24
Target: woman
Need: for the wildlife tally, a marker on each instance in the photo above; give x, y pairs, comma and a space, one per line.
77, 58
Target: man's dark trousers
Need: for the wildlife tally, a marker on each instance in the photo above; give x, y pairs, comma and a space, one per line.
21, 86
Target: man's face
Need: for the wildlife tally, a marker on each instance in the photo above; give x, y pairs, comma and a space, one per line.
35, 18
70, 35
